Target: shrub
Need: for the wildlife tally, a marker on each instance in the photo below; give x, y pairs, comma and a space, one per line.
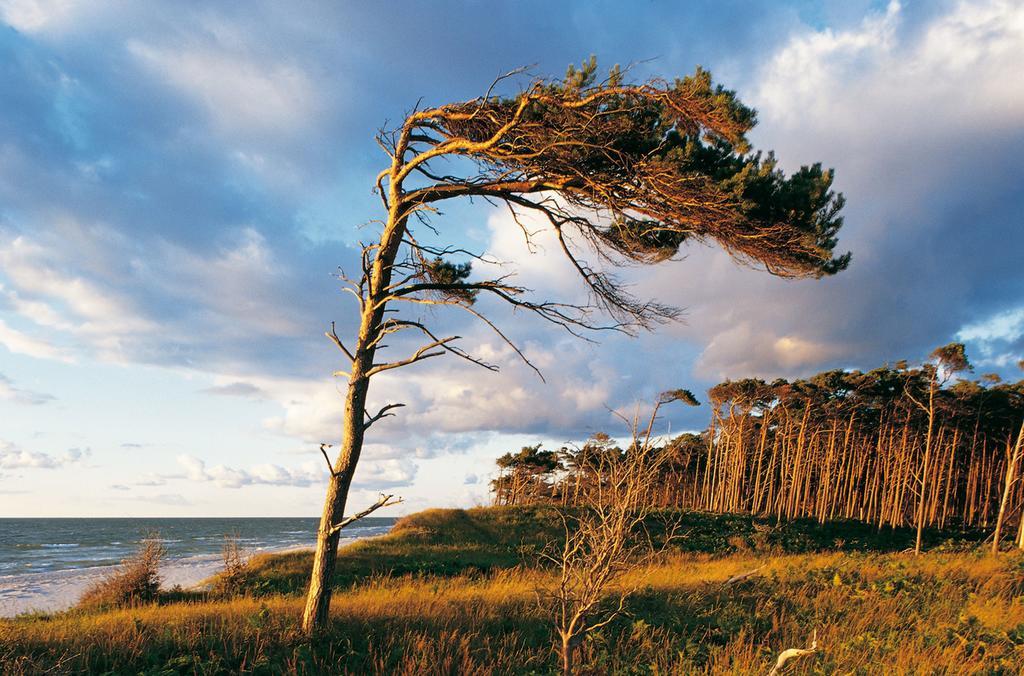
135, 582
233, 580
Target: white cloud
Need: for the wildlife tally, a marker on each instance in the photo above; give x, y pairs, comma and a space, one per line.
450, 396
796, 77
236, 389
75, 455
883, 99
41, 313
746, 349
21, 343
998, 338
371, 475
167, 499
92, 286
239, 93
30, 16
229, 477
538, 264
15, 457
1004, 326
45, 293
250, 283
8, 392
389, 473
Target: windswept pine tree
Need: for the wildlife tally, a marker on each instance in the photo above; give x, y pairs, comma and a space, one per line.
621, 173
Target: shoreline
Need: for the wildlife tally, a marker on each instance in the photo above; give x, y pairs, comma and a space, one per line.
54, 591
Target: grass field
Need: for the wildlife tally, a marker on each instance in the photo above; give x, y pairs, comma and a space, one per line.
455, 592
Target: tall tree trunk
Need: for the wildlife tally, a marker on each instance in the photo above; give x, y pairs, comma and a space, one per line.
924, 470
1012, 458
1020, 530
318, 597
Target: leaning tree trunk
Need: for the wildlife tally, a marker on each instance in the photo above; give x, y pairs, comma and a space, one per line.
318, 598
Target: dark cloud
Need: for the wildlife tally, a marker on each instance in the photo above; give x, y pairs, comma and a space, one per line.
934, 215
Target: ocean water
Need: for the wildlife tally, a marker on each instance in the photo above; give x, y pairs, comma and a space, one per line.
46, 564
49, 545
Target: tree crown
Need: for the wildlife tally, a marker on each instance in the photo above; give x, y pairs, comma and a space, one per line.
623, 172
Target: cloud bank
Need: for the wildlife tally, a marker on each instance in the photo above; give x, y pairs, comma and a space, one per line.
177, 184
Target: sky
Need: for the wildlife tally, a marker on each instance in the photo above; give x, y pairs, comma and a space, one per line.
179, 183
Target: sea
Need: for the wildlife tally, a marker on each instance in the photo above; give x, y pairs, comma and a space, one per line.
45, 563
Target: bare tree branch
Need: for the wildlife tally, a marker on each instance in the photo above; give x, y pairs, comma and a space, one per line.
384, 501
382, 413
419, 355
332, 334
323, 451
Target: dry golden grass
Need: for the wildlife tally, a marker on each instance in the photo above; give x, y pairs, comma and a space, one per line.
885, 613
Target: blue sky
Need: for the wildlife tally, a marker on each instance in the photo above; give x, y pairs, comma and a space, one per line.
178, 181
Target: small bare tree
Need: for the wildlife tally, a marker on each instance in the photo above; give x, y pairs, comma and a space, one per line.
619, 173
606, 535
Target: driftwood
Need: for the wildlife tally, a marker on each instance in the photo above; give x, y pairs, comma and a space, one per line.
739, 577
793, 653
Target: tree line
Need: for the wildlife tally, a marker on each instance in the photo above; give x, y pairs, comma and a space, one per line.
900, 445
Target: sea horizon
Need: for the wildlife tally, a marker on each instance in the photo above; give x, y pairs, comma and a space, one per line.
34, 544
